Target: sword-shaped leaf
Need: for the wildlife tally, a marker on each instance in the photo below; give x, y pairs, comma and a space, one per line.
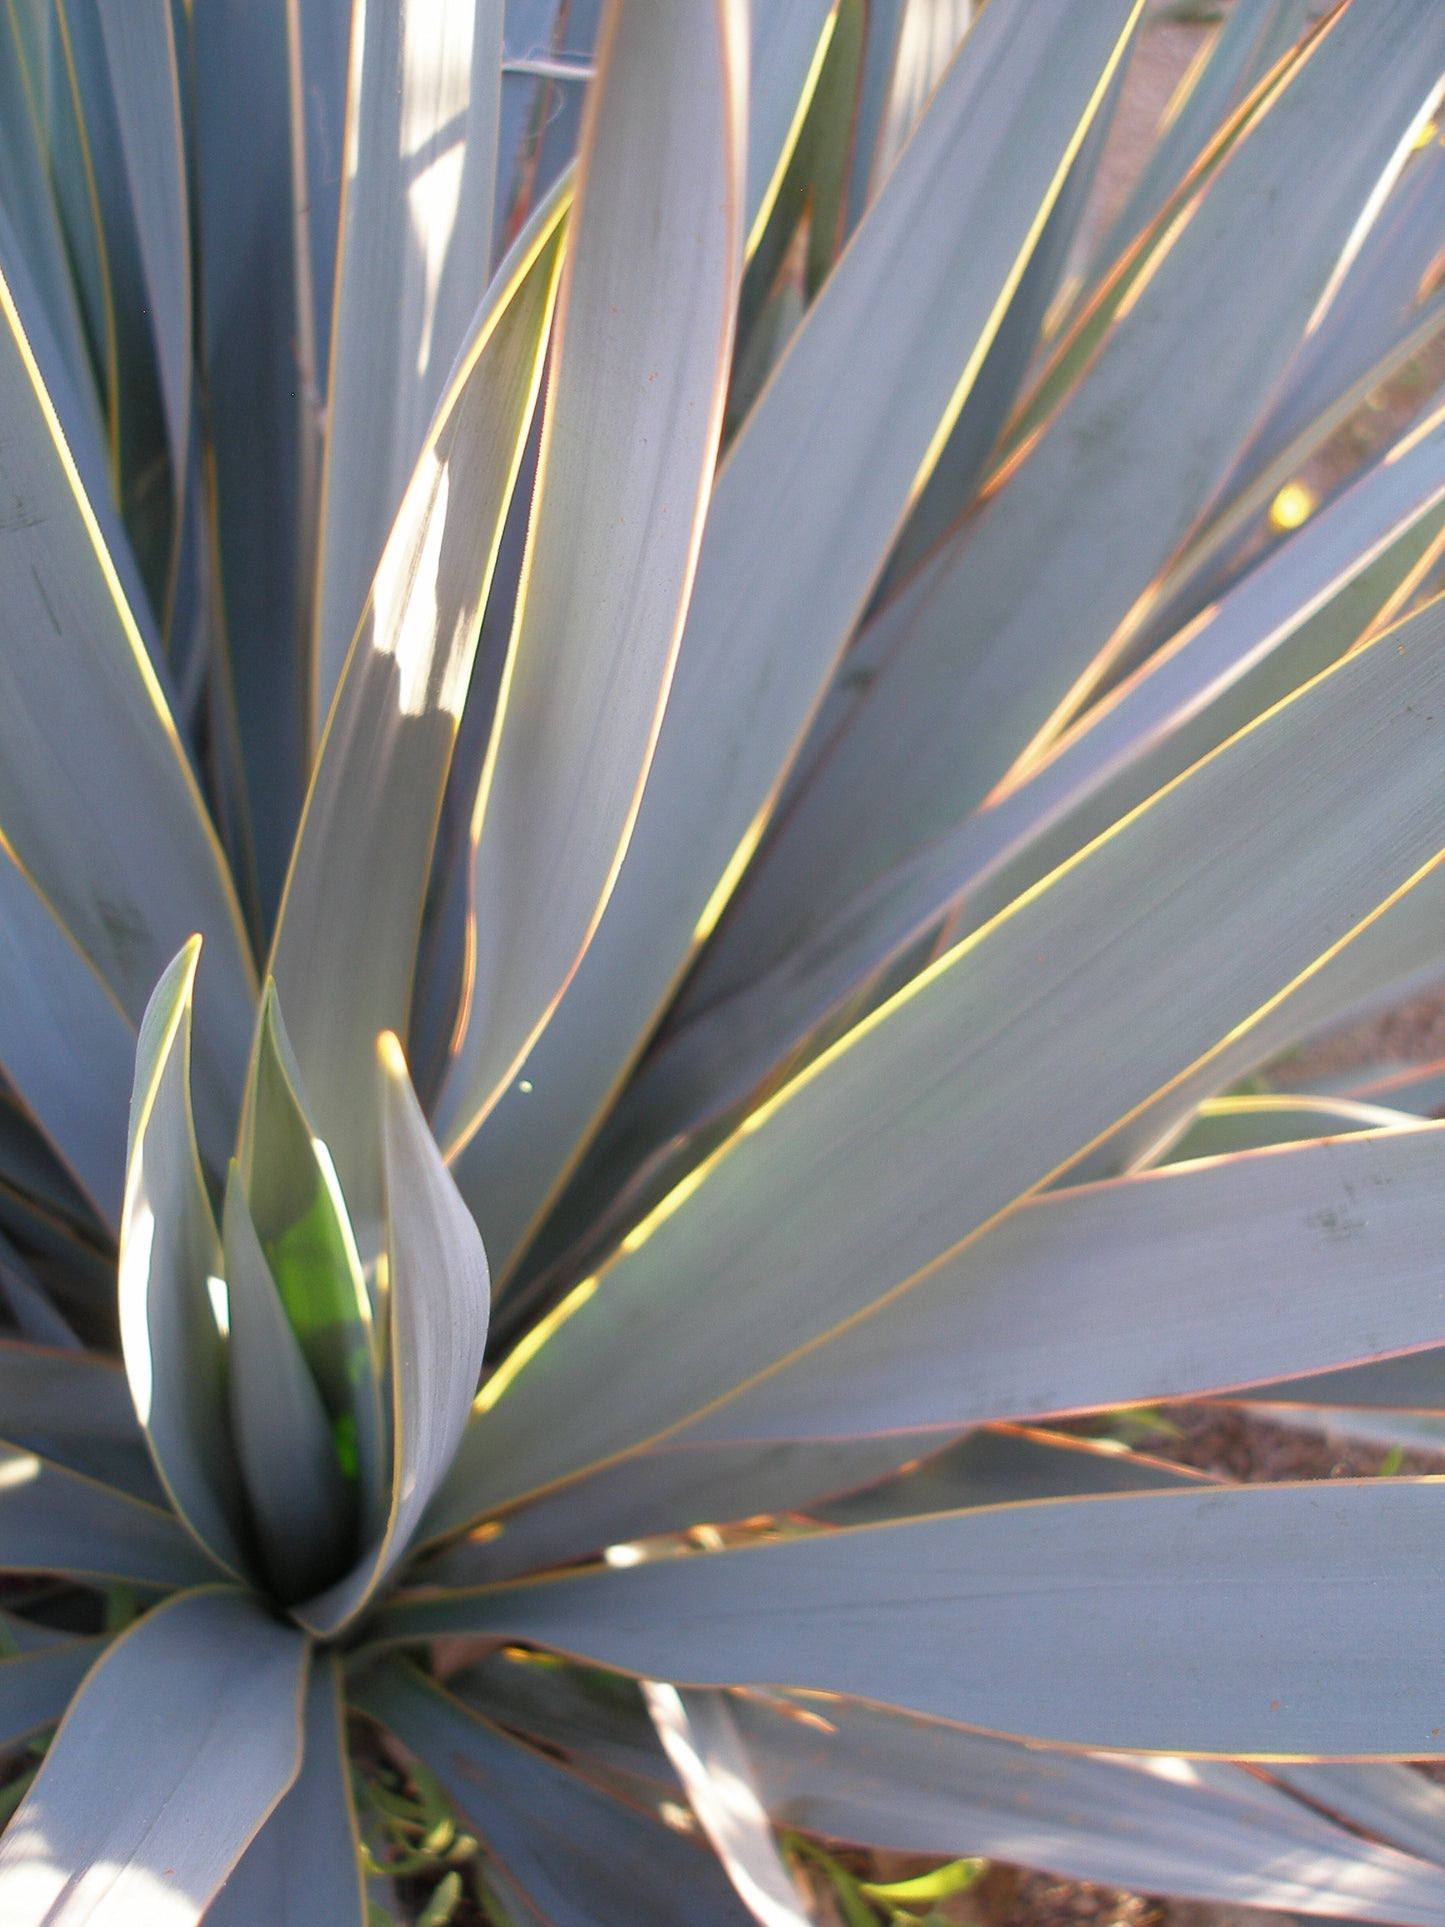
36, 1685
1043, 586
75, 1408
1261, 1638
303, 1869
112, 1829
1233, 1270
52, 1520
1206, 1830
629, 438
140, 48
1001, 1063
799, 525
66, 1046
416, 234
97, 799
580, 1858
346, 944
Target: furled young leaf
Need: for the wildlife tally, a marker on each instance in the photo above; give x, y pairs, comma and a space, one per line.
303, 1869
437, 1298
416, 227
1261, 1637
305, 1516
112, 1829
169, 1251
305, 1231
345, 947
629, 438
579, 1857
799, 526
1003, 1062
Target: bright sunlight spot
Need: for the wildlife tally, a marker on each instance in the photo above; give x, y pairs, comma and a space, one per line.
1293, 505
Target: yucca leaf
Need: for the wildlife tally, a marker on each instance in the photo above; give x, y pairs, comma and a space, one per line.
700, 1739
1402, 946
346, 942
668, 1491
36, 1316
629, 438
250, 311
305, 1516
34, 222
1417, 1088
927, 37
1204, 1829
1253, 37
928, 1120
1045, 583
66, 1046
37, 1684
1295, 613
1001, 1466
75, 1407
1411, 1384
1159, 1299
437, 1300
304, 1225
169, 1250
789, 42
1261, 1637
1391, 1802
140, 49
112, 1828
303, 1869
52, 1520
415, 259
97, 799
582, 1859
1223, 1125
799, 525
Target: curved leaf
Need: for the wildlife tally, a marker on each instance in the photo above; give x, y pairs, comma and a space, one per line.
415, 251
799, 526
169, 1249
346, 941
629, 438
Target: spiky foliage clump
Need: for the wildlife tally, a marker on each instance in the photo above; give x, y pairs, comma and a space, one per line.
654, 809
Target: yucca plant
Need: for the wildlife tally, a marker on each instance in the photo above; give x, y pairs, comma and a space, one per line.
775, 725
